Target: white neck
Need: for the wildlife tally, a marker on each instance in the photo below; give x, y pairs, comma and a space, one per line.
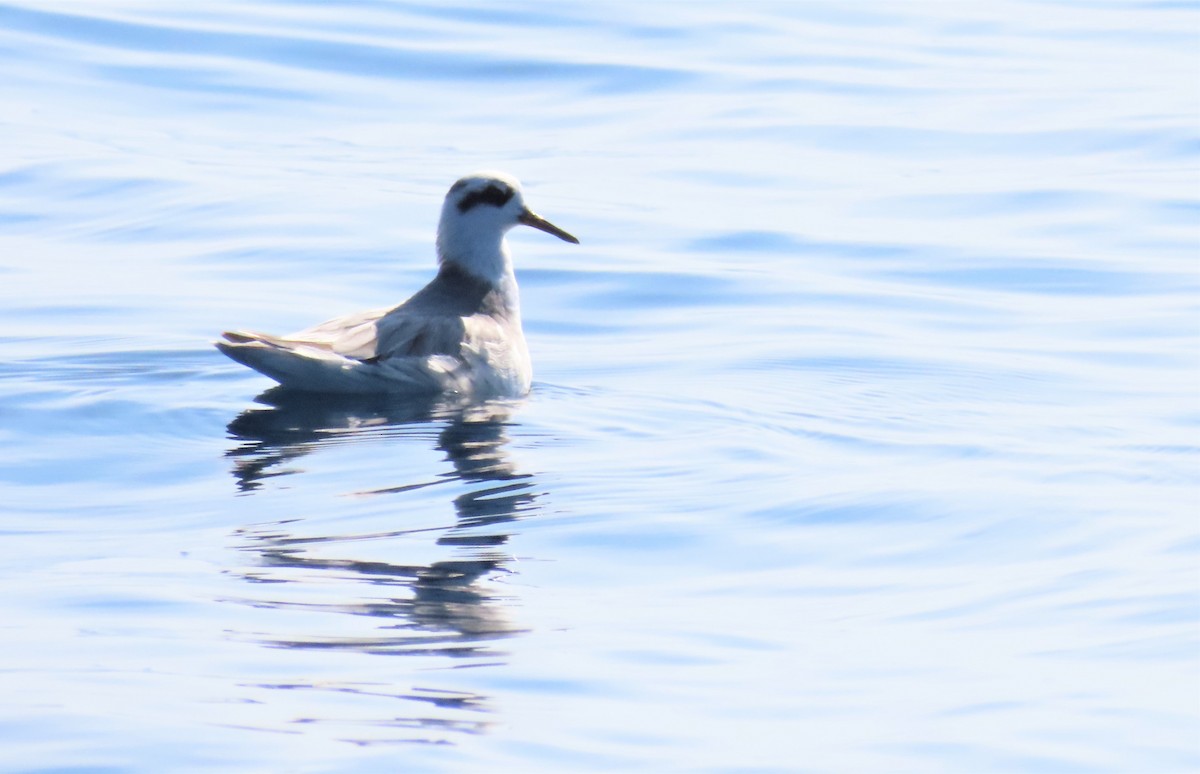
481, 252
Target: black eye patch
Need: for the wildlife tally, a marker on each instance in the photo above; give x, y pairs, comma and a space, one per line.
496, 194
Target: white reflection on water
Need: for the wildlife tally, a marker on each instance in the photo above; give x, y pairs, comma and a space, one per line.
439, 609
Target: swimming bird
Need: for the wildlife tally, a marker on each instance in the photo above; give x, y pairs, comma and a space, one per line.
459, 334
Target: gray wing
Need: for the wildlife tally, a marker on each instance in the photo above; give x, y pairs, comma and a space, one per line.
452, 310
391, 333
402, 333
378, 351
383, 333
429, 343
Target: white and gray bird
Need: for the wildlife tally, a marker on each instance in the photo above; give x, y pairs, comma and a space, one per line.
459, 334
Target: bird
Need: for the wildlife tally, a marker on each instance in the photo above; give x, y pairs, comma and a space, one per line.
459, 335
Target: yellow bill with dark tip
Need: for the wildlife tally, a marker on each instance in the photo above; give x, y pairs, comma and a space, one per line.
541, 224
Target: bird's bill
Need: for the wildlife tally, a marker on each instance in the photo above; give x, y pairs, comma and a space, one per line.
541, 224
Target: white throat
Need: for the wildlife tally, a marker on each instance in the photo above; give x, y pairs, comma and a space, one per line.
477, 248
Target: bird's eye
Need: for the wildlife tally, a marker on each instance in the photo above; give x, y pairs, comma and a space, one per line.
495, 194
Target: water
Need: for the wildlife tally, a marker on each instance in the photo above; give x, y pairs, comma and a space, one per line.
864, 432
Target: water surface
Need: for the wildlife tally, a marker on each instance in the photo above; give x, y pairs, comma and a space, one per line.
864, 431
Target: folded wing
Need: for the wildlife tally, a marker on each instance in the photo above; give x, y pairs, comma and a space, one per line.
375, 351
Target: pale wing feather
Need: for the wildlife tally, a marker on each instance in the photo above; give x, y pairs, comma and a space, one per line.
384, 333
353, 336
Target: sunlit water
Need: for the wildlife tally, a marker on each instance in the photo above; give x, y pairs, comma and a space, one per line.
864, 432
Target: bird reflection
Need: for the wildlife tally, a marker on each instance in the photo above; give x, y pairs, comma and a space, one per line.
294, 424
441, 608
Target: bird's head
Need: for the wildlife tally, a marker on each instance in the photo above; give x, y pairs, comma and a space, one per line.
478, 211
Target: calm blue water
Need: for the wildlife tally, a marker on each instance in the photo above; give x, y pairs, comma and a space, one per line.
865, 429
